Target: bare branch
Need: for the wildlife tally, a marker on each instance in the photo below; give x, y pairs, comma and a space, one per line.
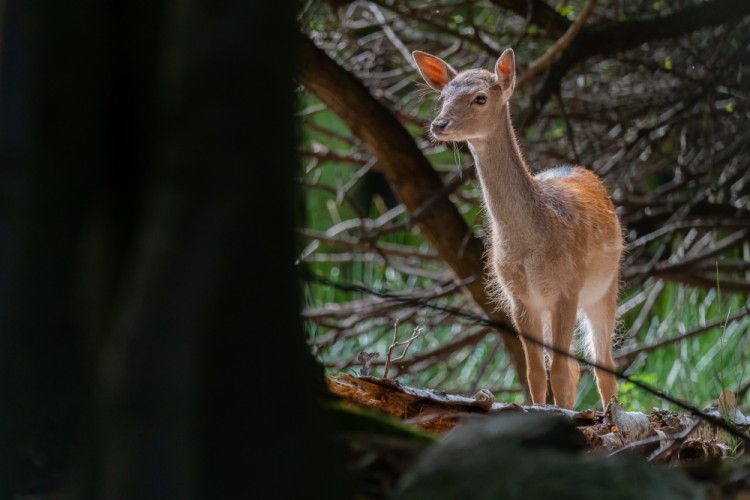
562, 43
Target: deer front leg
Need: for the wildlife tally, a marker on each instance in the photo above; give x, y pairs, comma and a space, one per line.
565, 371
530, 325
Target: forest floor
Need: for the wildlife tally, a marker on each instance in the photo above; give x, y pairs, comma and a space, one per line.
708, 444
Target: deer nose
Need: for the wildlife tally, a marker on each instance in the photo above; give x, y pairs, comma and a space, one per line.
439, 124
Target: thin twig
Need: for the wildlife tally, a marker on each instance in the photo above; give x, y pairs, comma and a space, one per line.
677, 439
414, 336
390, 348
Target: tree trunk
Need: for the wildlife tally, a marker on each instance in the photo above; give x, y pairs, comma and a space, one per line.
148, 213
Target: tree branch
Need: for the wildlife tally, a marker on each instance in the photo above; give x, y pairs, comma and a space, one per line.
612, 37
540, 64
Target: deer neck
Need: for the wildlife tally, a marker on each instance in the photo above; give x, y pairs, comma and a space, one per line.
510, 194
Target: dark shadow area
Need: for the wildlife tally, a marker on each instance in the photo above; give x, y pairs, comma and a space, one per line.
150, 338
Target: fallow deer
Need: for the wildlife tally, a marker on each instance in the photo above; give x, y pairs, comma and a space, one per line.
555, 242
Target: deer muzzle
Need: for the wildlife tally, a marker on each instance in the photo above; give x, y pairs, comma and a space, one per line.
439, 126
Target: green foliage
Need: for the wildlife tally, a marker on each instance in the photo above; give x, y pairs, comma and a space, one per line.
695, 369
565, 10
630, 394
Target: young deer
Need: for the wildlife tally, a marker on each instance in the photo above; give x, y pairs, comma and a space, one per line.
555, 239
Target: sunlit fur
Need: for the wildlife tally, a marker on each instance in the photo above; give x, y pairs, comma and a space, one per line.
554, 239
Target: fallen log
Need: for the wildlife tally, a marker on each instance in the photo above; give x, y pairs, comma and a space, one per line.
662, 436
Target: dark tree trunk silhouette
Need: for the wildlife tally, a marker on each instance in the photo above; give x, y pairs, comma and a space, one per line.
147, 248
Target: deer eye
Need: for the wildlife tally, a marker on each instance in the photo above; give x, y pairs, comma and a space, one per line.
481, 99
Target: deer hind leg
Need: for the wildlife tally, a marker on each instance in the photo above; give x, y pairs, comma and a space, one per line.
601, 317
530, 325
564, 371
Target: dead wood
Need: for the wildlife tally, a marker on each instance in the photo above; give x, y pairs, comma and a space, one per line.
662, 436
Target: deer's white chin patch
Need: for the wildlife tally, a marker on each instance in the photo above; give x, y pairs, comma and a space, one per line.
447, 136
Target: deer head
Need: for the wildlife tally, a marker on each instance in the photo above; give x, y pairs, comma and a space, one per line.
472, 100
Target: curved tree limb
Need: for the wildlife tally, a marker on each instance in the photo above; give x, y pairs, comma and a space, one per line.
608, 37
410, 175
540, 64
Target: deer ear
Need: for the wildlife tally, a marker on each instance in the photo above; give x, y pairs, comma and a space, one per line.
505, 70
436, 72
